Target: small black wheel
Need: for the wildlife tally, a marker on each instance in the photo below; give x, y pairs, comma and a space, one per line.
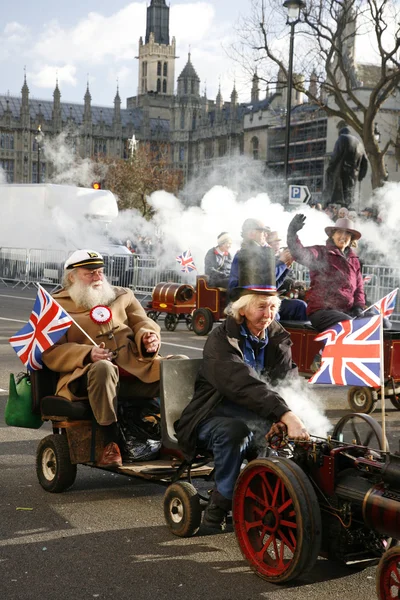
395, 400
361, 399
360, 429
189, 322
202, 321
170, 322
152, 315
54, 469
182, 509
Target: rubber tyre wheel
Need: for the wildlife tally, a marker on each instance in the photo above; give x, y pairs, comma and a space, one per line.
361, 399
54, 469
388, 574
170, 322
189, 322
277, 519
152, 315
395, 400
375, 431
182, 509
202, 321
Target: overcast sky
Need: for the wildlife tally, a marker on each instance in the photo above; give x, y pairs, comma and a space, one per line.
98, 39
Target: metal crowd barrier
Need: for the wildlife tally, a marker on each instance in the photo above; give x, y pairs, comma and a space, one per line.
141, 273
21, 266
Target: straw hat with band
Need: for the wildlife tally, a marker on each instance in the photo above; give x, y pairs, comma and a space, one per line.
345, 224
256, 272
87, 259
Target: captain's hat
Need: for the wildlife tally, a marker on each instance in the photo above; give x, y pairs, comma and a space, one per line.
88, 259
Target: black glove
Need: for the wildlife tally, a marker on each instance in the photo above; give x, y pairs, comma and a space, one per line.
356, 311
296, 224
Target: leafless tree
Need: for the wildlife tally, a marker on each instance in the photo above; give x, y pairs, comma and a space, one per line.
324, 44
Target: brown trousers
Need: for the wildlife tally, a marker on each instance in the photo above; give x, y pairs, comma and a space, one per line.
104, 387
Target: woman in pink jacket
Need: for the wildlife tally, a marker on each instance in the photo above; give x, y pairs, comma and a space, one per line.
336, 285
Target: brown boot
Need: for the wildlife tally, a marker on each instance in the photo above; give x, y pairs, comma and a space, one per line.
111, 457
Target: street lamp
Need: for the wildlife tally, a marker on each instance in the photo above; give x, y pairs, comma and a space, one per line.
293, 8
39, 139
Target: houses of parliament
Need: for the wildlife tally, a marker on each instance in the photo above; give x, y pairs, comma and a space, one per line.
194, 128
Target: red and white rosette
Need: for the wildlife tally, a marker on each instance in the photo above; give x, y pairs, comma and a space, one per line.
101, 314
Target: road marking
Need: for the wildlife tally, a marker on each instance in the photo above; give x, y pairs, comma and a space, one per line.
181, 346
163, 343
17, 297
13, 320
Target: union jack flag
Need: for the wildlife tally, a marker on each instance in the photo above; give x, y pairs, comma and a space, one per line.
386, 305
47, 324
351, 355
186, 261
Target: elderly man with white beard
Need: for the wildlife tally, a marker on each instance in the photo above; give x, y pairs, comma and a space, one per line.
126, 361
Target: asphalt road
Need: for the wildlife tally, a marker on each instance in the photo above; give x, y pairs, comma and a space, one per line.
106, 537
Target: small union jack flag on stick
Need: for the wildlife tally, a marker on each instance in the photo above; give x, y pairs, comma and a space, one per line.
352, 353
186, 261
386, 305
47, 324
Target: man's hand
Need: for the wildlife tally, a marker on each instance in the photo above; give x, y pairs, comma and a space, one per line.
278, 428
100, 353
295, 428
286, 257
296, 224
150, 342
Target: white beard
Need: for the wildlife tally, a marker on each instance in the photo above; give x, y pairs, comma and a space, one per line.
88, 296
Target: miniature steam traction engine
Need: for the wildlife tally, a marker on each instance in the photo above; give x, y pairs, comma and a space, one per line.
332, 497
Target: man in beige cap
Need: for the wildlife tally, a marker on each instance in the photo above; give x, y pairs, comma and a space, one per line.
126, 358
218, 261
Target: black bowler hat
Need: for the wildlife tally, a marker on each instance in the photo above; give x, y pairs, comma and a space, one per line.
256, 272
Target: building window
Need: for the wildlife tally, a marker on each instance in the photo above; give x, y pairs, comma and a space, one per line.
222, 147
100, 147
255, 145
182, 119
42, 172
185, 86
158, 85
194, 120
164, 86
181, 153
165, 70
159, 69
144, 69
193, 86
7, 141
8, 168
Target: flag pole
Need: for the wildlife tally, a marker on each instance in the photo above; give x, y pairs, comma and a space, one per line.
73, 320
382, 374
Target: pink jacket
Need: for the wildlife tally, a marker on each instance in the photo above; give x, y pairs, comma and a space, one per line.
336, 280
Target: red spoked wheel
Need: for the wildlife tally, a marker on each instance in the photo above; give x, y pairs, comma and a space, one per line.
388, 575
277, 519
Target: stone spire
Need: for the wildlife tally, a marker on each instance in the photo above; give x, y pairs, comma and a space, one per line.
158, 22
57, 117
313, 89
255, 89
24, 111
234, 96
87, 113
117, 107
219, 100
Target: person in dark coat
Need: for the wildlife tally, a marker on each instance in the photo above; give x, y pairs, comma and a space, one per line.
233, 406
348, 164
218, 261
336, 285
255, 235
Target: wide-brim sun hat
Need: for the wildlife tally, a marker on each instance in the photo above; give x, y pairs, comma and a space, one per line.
345, 224
87, 259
